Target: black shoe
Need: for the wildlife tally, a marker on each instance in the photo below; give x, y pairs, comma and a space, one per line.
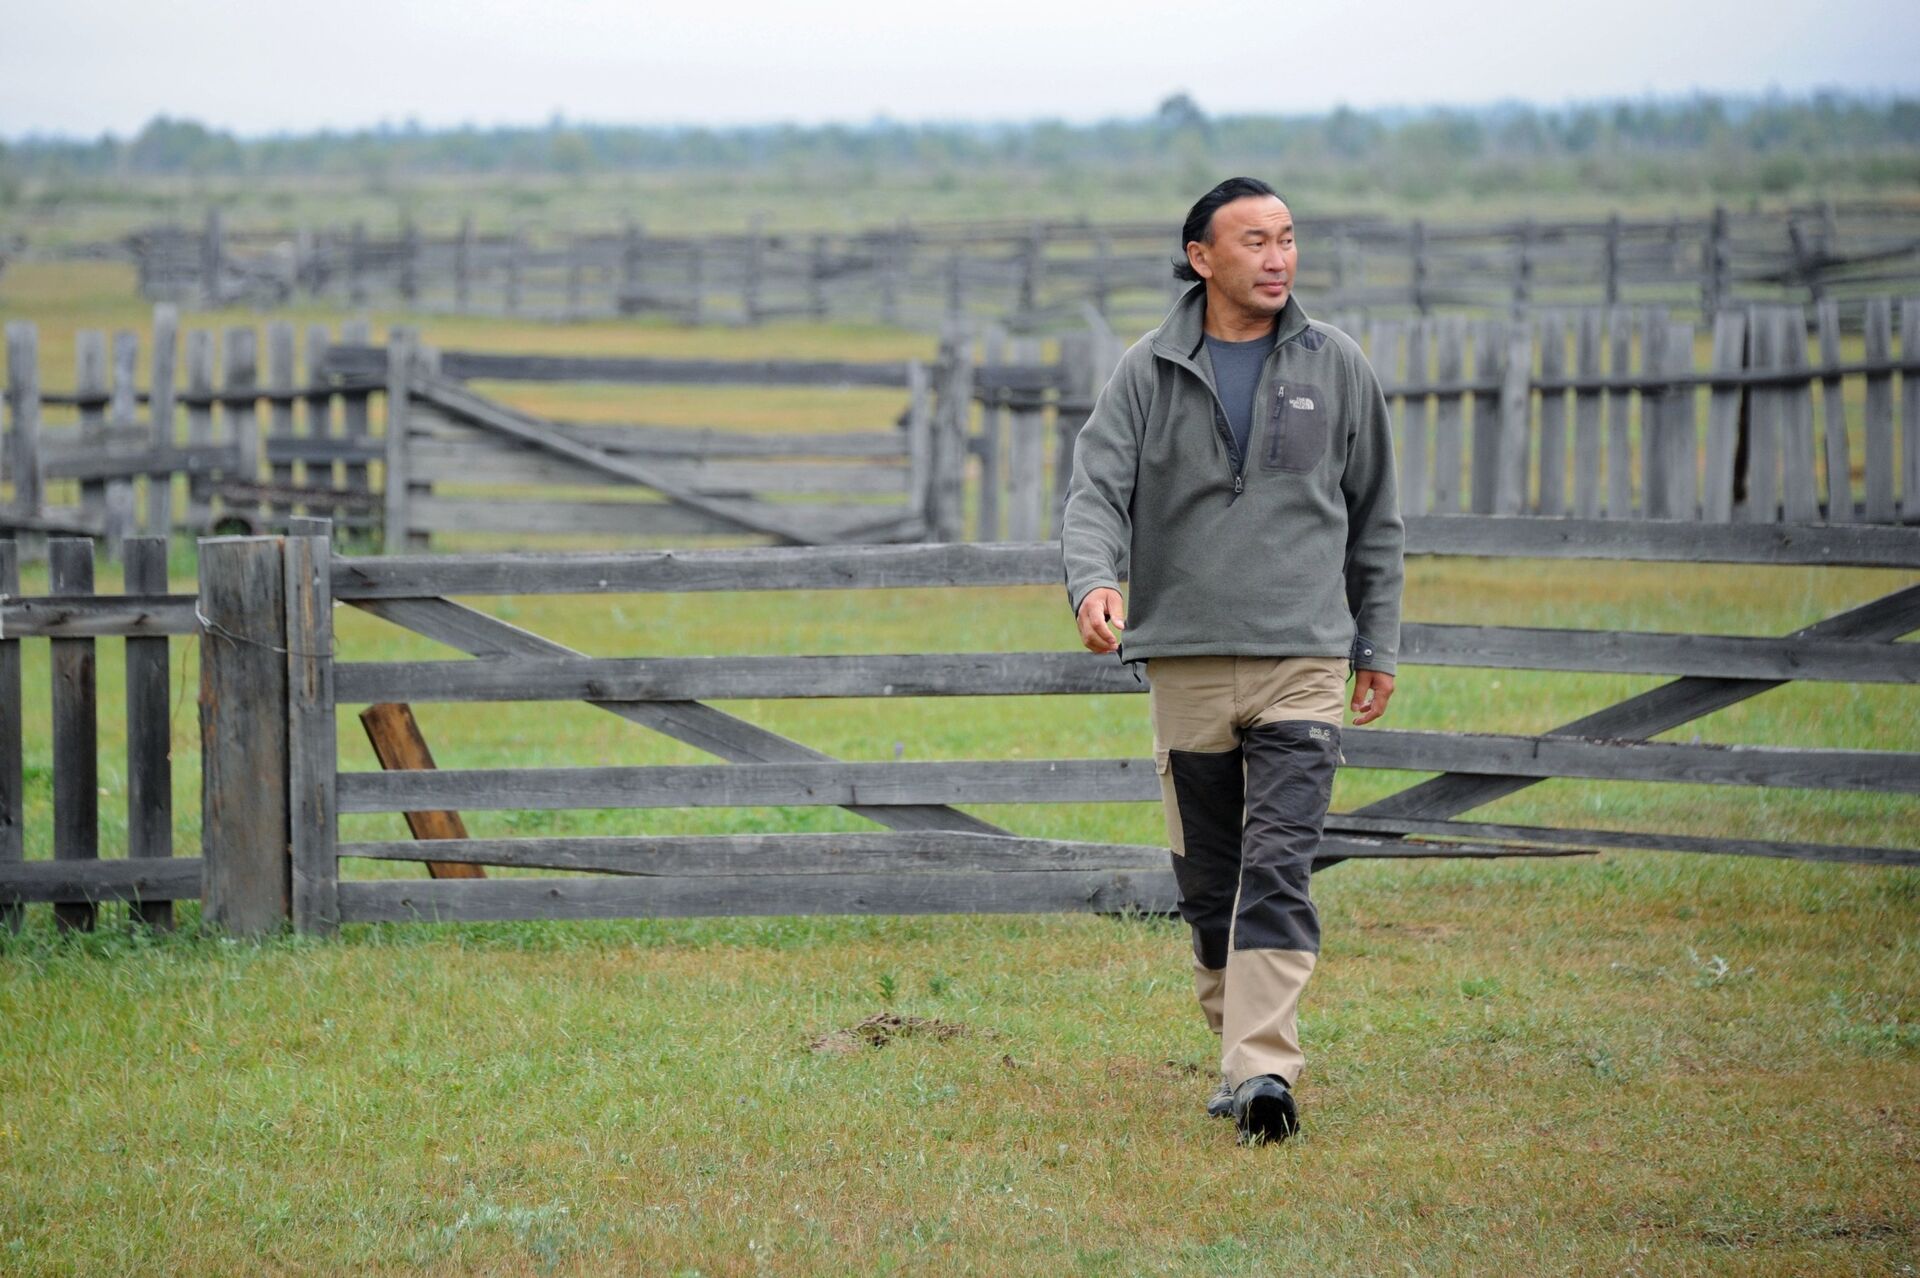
1220, 1104
1264, 1111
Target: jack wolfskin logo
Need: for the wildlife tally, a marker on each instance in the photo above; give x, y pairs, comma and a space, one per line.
1301, 402
1319, 734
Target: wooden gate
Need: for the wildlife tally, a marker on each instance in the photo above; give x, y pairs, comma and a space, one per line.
932, 857
461, 461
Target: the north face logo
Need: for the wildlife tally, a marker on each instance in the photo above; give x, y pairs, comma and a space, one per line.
1301, 402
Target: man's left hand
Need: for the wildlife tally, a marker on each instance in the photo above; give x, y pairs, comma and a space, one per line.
1372, 689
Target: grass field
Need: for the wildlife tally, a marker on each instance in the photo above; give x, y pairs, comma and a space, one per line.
1643, 1064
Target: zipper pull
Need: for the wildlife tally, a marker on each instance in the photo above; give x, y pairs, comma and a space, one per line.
1239, 486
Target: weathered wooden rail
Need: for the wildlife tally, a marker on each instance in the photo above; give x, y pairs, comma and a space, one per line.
1039, 272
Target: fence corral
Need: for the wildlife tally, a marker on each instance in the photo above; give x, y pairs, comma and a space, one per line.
1594, 414
1034, 273
272, 680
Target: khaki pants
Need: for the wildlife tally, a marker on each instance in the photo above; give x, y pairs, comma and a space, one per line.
1246, 749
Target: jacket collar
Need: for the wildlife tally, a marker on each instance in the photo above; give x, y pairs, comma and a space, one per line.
1184, 329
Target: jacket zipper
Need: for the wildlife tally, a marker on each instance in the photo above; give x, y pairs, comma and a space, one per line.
1221, 425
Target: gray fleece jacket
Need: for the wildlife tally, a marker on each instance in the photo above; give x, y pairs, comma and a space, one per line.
1283, 552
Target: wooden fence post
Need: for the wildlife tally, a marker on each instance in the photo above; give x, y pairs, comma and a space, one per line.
76, 784
200, 426
921, 412
1080, 380
463, 266
1553, 418
13, 778
1029, 299
991, 442
354, 424
893, 253
751, 288
1723, 418
1878, 455
1417, 249
1679, 465
1653, 413
240, 379
22, 462
630, 265
123, 414
400, 348
1027, 451
1489, 364
90, 383
1414, 410
817, 278
1586, 418
1448, 423
1516, 423
956, 290
1799, 485
516, 264
312, 751
319, 407
160, 406
149, 727
947, 481
1763, 417
247, 878
576, 278
409, 263
697, 284
356, 256
1611, 264
212, 251
280, 406
1714, 292
1910, 408
1834, 414
1619, 415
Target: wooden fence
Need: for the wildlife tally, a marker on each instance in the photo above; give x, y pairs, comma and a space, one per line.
1033, 273
1595, 414
795, 487
273, 678
229, 437
77, 878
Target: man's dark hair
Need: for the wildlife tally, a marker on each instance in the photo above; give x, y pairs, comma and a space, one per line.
1199, 225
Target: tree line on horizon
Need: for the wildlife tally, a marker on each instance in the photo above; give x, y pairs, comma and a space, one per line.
1772, 144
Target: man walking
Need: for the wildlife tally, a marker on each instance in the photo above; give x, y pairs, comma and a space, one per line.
1239, 469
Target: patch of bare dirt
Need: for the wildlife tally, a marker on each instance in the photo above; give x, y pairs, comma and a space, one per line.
883, 1028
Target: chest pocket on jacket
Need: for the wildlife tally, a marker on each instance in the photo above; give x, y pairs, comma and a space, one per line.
1297, 427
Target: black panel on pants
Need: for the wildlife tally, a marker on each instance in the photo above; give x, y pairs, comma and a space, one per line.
1289, 782
1207, 788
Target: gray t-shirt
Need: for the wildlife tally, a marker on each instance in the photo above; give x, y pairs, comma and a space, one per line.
1236, 374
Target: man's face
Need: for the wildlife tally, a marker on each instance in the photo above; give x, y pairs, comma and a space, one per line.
1249, 261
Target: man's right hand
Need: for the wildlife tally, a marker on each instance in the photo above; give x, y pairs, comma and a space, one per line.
1102, 615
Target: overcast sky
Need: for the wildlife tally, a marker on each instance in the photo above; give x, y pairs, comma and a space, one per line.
81, 67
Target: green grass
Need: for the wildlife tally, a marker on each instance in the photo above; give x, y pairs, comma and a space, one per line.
1643, 1064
